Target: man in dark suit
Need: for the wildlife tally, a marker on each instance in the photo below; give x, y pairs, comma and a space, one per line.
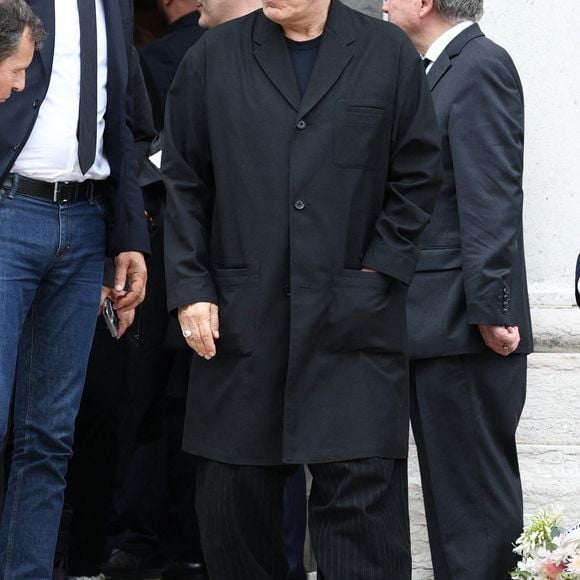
20, 31
161, 58
469, 319
297, 187
68, 194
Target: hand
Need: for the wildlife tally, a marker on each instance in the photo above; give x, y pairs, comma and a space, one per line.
129, 267
501, 339
124, 317
200, 326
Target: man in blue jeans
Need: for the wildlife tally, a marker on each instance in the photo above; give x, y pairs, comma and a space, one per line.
68, 194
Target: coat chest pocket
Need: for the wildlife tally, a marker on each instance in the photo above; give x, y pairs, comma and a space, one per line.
360, 133
238, 290
366, 313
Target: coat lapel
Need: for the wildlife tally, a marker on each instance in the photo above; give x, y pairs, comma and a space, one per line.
439, 68
334, 54
272, 55
445, 61
44, 9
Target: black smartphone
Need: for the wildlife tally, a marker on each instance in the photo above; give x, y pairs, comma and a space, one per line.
110, 317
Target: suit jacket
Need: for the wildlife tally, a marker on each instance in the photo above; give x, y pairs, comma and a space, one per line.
274, 204
472, 268
161, 59
127, 227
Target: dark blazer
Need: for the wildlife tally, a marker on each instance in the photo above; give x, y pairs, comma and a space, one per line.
160, 60
274, 204
472, 268
127, 229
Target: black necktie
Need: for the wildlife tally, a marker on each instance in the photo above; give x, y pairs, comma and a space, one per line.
87, 127
426, 63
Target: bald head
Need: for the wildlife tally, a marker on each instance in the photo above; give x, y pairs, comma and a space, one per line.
214, 12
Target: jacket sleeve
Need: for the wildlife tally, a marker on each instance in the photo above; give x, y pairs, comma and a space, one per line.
188, 176
486, 137
128, 227
414, 175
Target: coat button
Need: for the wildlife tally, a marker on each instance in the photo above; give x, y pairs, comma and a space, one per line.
299, 204
301, 124
36, 104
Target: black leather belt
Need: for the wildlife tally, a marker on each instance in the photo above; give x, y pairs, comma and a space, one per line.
58, 192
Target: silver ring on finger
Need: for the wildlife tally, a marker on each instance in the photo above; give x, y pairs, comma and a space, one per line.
187, 333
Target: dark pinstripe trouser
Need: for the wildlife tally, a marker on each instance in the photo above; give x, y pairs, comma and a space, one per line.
358, 518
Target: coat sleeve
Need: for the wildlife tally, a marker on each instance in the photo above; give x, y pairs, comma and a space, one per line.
486, 138
188, 176
128, 227
414, 175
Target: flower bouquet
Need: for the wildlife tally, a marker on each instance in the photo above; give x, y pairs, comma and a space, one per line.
548, 551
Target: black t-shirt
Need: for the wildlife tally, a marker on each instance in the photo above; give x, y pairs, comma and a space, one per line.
303, 56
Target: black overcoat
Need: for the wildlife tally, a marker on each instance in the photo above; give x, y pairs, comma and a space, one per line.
274, 204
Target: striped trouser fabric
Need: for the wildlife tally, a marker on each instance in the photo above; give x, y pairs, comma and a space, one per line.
358, 520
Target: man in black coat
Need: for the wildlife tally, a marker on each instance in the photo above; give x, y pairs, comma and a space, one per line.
298, 185
68, 194
161, 58
469, 318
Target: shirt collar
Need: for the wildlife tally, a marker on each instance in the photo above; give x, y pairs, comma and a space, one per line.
435, 50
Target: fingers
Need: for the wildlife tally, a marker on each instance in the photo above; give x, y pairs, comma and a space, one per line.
130, 270
200, 326
502, 340
105, 293
125, 319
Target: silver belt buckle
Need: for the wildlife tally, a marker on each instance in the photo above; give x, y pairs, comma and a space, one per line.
56, 191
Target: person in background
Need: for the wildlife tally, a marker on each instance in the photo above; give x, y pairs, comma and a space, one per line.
20, 32
468, 311
297, 187
69, 195
161, 58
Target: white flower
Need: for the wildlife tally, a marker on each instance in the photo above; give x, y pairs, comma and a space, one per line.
573, 566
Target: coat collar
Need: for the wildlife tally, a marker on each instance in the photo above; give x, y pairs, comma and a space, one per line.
444, 62
334, 54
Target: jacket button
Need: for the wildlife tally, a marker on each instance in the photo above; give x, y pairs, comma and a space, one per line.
301, 124
36, 104
299, 204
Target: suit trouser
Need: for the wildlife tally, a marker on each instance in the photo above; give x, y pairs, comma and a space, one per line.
465, 411
358, 519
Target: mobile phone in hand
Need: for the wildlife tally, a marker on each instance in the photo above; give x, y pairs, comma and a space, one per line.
110, 317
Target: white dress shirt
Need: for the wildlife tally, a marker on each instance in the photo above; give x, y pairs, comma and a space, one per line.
436, 49
51, 152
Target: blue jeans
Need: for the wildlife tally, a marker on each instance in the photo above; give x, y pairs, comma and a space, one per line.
51, 271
